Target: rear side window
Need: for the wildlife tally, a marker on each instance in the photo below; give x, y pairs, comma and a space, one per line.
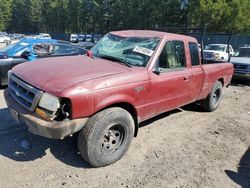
172, 55
61, 49
194, 52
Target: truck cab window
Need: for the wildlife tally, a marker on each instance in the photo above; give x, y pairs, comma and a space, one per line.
194, 52
172, 55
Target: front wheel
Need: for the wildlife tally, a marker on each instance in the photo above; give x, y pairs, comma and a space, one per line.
213, 100
106, 137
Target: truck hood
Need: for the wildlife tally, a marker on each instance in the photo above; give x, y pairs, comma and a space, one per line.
56, 74
241, 60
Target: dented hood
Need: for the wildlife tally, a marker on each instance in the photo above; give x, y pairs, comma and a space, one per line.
56, 74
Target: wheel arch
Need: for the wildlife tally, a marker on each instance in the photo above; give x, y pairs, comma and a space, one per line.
128, 107
222, 81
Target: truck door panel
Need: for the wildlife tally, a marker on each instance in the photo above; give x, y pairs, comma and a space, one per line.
196, 70
172, 86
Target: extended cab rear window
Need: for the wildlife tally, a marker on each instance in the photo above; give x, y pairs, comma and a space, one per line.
173, 55
194, 52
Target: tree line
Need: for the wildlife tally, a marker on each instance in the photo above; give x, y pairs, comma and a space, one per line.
101, 16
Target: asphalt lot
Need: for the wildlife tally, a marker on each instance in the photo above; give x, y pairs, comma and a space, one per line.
183, 148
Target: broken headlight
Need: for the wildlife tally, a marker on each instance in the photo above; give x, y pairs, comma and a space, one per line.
53, 108
49, 102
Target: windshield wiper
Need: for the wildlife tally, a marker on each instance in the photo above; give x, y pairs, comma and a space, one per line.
115, 59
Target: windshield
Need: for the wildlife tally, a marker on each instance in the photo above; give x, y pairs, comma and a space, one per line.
220, 48
135, 51
242, 52
15, 48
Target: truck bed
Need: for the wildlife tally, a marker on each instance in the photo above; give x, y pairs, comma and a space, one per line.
213, 72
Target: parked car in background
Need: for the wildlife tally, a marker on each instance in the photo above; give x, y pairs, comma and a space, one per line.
44, 36
74, 38
127, 78
30, 49
89, 38
81, 37
4, 39
218, 52
3, 33
241, 62
97, 38
88, 43
18, 36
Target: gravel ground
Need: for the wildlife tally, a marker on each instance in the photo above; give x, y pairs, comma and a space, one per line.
183, 148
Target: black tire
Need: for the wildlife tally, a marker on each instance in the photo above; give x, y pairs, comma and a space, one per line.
213, 100
106, 137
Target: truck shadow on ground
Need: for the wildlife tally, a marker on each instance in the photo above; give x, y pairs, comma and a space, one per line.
66, 151
3, 87
23, 146
242, 176
160, 116
240, 82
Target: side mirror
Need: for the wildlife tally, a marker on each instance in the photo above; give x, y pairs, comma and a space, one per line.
157, 70
26, 54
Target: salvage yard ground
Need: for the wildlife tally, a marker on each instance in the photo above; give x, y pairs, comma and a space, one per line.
182, 148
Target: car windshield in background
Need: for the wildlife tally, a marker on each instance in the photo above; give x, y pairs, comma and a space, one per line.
134, 51
242, 52
15, 48
220, 48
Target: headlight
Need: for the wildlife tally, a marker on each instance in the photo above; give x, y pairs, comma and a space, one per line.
217, 55
49, 102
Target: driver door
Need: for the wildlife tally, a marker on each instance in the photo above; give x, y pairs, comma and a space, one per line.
171, 87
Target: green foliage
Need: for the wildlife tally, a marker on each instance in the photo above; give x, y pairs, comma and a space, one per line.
5, 13
221, 15
81, 16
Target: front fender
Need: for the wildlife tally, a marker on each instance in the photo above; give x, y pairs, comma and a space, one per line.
103, 102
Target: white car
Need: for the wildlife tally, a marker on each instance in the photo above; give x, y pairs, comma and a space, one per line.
44, 36
241, 62
4, 39
74, 38
218, 52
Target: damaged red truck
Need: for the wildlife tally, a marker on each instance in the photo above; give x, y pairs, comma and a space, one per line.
128, 77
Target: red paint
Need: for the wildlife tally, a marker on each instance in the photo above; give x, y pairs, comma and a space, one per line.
89, 54
93, 84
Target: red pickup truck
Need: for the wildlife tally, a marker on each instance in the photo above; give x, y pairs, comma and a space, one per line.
127, 77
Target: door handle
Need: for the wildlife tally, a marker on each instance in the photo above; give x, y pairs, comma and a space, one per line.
186, 77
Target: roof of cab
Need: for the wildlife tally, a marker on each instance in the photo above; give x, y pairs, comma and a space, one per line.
150, 33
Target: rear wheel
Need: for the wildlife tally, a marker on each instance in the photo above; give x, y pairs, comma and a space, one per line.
213, 100
106, 137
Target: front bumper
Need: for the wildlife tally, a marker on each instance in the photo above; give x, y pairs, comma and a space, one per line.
38, 126
241, 73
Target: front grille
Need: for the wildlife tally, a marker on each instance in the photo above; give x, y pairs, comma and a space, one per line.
240, 66
208, 55
25, 94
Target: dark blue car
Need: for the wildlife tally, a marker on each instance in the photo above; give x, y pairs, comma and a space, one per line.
29, 49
